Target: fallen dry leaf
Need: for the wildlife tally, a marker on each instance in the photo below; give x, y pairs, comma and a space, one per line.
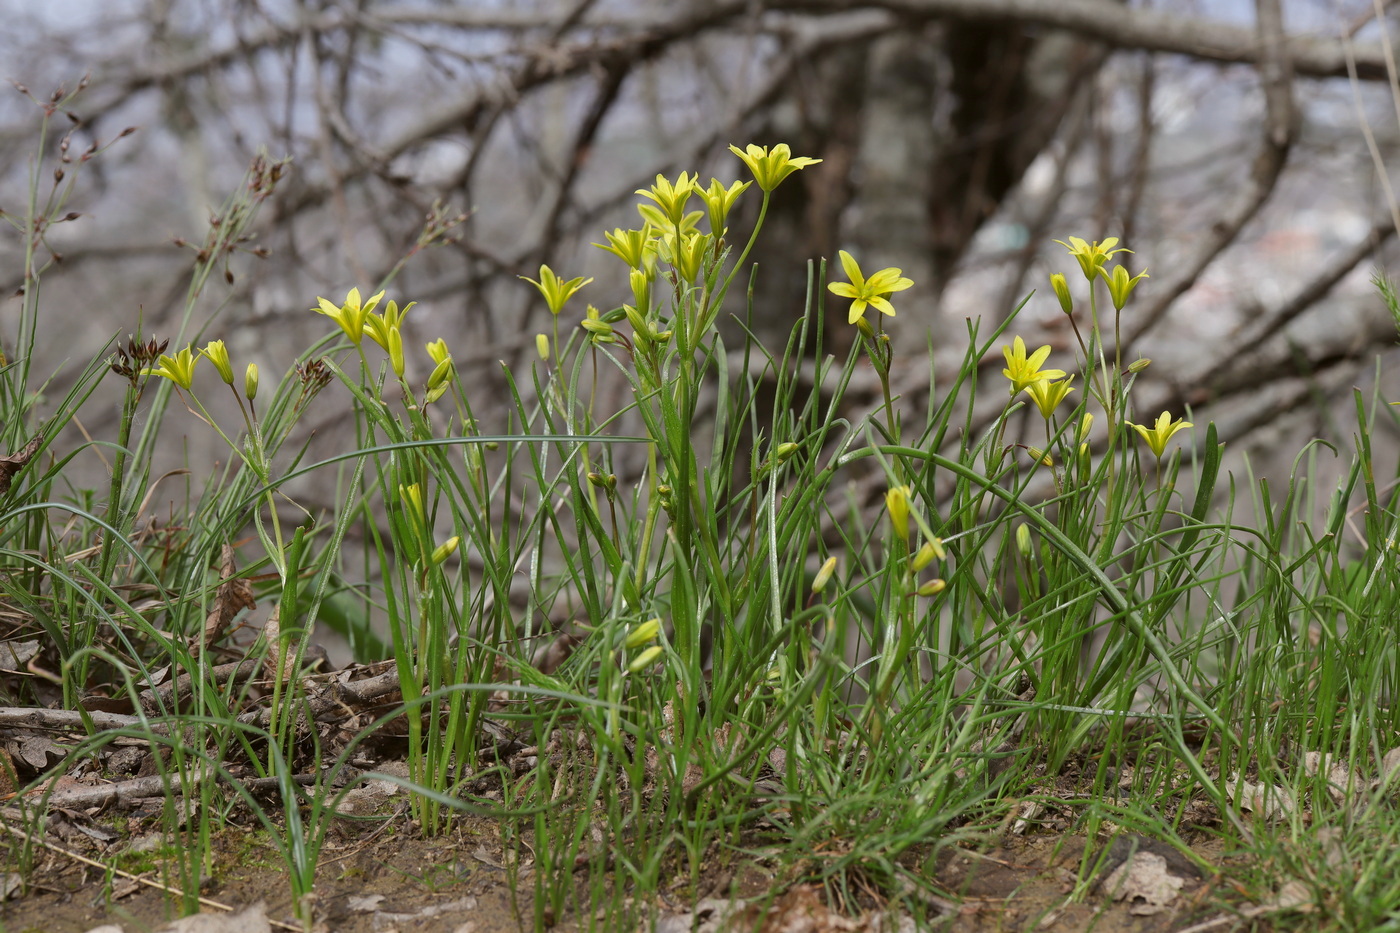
1390, 769
1030, 811
1144, 877
1267, 800
1342, 781
233, 594
280, 661
15, 462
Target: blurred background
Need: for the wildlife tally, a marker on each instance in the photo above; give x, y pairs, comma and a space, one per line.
1241, 150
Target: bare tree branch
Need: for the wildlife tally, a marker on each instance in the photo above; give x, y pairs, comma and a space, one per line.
1119, 26
1136, 28
1279, 129
1246, 365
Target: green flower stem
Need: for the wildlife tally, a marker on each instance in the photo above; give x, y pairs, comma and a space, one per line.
897, 642
753, 238
1117, 343
255, 458
1109, 398
649, 522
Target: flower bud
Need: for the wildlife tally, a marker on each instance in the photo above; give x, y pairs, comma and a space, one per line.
897, 503
412, 498
786, 450
925, 555
638, 322
1061, 287
824, 575
642, 634
442, 361
542, 346
396, 351
1086, 425
250, 382
593, 323
932, 587
644, 659
1023, 541
641, 289
1137, 366
445, 549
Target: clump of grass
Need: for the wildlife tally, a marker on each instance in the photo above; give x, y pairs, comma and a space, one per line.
758, 657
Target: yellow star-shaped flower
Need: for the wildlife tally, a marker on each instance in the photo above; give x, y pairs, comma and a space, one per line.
771, 166
1161, 432
1048, 394
1024, 371
871, 292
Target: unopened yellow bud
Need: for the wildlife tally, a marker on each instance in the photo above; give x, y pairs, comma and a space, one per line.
643, 634
1023, 541
644, 659
1061, 287
824, 575
445, 549
925, 555
250, 382
542, 346
1086, 425
638, 322
1137, 366
396, 351
412, 499
897, 503
442, 362
593, 323
786, 450
1038, 454
641, 289
932, 587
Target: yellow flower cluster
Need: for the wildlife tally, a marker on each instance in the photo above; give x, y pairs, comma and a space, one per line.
1041, 385
357, 318
179, 367
669, 234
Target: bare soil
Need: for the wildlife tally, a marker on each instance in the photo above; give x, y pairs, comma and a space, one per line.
392, 878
